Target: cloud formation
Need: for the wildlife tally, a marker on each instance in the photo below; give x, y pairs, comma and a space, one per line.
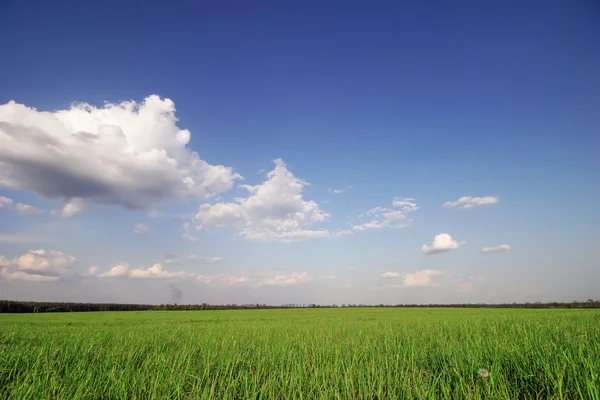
4, 201
390, 275
496, 249
129, 154
422, 278
27, 209
470, 202
21, 208
37, 265
396, 217
441, 243
273, 211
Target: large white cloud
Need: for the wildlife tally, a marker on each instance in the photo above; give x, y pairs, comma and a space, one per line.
441, 243
273, 211
130, 154
37, 265
467, 202
382, 217
496, 249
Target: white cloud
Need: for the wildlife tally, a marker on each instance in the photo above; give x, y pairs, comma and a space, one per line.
70, 208
496, 249
27, 209
390, 275
295, 278
190, 259
188, 237
129, 154
140, 228
157, 272
115, 272
155, 213
470, 202
23, 276
422, 278
93, 271
343, 233
381, 217
441, 243
37, 265
273, 211
5, 201
231, 280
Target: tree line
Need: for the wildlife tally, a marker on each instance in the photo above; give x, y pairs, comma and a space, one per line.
9, 306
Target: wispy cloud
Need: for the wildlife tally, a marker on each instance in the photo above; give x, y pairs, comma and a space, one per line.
470, 202
496, 249
140, 228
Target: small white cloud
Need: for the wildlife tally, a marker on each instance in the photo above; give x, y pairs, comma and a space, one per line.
496, 249
381, 217
339, 191
190, 259
470, 202
155, 213
140, 228
5, 201
295, 278
422, 278
93, 271
441, 243
27, 209
70, 208
189, 238
390, 275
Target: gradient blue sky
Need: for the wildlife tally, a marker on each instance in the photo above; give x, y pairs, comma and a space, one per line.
429, 101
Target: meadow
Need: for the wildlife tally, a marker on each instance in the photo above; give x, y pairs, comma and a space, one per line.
359, 353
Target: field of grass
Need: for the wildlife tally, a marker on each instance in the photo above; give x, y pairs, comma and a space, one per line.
302, 354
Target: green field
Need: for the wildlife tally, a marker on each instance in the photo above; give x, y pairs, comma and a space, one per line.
368, 353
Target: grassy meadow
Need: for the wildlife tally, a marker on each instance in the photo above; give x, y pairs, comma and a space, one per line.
365, 353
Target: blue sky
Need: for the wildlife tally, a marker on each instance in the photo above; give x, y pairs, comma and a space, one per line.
405, 107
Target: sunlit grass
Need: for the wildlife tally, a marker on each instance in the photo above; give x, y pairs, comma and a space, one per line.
302, 354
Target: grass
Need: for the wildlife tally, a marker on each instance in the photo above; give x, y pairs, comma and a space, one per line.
302, 354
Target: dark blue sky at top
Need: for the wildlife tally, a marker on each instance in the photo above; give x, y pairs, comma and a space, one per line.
492, 88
